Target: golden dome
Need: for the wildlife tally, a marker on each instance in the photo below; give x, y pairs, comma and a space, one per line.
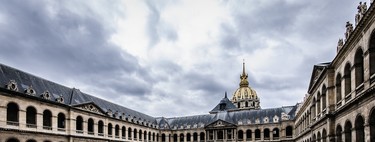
244, 93
245, 97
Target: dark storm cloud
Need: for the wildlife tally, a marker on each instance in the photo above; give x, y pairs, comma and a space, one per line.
203, 82
229, 39
156, 28
59, 43
315, 23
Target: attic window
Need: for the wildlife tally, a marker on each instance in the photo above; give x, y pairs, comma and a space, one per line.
222, 106
265, 120
109, 112
12, 85
115, 114
275, 118
60, 99
257, 121
46, 95
30, 91
239, 122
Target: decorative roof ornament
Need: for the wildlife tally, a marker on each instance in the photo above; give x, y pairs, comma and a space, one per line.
244, 82
46, 95
30, 91
91, 107
12, 85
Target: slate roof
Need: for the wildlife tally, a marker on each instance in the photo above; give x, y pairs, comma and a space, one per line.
73, 97
234, 117
229, 106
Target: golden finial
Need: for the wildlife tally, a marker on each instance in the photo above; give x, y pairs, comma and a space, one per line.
243, 67
243, 77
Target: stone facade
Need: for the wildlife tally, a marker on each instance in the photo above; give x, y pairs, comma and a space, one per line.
340, 101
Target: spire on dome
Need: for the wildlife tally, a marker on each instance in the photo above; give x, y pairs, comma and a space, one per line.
243, 77
225, 94
243, 68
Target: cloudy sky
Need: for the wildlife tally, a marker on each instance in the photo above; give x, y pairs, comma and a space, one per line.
171, 57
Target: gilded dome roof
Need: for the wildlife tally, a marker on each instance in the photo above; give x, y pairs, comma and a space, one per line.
244, 92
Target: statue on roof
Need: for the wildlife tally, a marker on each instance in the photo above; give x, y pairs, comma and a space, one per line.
359, 7
349, 30
340, 44
363, 8
357, 17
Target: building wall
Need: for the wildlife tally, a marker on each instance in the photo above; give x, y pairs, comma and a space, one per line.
354, 105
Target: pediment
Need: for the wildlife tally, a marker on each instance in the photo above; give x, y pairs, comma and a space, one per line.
91, 107
220, 124
316, 73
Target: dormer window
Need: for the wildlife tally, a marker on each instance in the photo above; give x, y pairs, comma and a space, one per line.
30, 91
46, 95
60, 99
109, 112
12, 85
222, 106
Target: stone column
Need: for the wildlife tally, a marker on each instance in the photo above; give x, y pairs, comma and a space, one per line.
53, 121
225, 133
178, 138
353, 132
367, 132
366, 68
185, 137
3, 113
215, 135
84, 126
192, 136
105, 129
22, 119
39, 121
